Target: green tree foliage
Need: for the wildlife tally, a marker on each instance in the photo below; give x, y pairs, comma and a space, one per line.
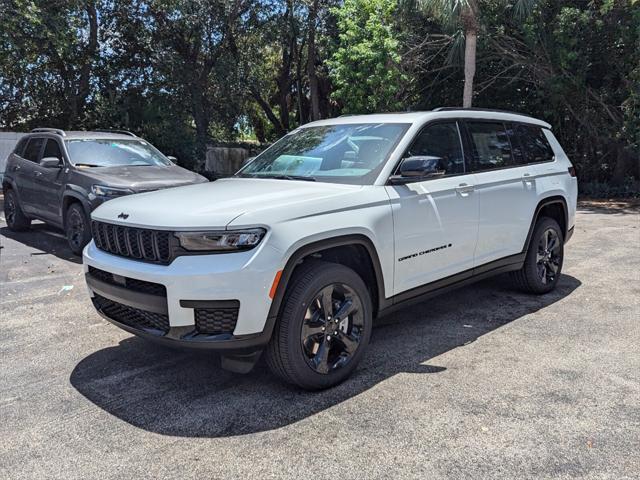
366, 66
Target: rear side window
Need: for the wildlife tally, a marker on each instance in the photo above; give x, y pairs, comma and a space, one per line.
491, 146
440, 140
20, 146
535, 146
33, 149
52, 149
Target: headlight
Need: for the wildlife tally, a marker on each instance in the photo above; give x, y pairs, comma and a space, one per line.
102, 191
221, 241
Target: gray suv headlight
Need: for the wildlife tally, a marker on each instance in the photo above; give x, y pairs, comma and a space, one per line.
104, 191
220, 241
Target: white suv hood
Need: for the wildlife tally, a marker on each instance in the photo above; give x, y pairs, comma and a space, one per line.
216, 204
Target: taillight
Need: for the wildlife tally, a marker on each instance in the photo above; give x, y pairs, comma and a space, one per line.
572, 171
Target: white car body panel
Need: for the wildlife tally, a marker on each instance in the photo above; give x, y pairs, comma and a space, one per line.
467, 227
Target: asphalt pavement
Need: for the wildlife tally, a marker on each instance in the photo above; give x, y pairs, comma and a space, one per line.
483, 382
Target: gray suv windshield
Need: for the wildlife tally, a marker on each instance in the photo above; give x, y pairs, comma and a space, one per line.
352, 154
114, 152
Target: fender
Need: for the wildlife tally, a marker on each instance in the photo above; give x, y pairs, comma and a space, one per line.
314, 247
543, 203
69, 193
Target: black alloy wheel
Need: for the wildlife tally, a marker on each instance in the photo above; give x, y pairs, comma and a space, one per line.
332, 328
77, 228
15, 218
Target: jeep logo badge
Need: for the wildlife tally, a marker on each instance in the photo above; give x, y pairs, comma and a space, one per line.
123, 215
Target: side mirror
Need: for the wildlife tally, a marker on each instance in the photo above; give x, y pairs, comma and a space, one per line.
414, 169
51, 162
172, 158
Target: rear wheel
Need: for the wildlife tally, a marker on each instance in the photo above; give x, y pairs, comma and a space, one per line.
77, 228
543, 263
324, 328
13, 214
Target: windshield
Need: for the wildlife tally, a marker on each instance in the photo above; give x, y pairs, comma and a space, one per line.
111, 153
352, 154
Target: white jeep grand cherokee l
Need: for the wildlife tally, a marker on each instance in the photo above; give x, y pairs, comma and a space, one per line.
333, 225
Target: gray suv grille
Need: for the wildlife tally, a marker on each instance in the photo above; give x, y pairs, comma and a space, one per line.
136, 243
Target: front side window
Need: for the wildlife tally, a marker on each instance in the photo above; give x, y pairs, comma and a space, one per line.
113, 153
32, 151
52, 150
491, 145
442, 141
352, 154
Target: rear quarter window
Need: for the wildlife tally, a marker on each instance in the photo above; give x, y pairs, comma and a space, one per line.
19, 148
535, 146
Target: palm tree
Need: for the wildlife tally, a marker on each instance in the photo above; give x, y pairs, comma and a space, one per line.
463, 16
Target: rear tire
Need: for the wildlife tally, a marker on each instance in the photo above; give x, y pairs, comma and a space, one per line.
13, 214
324, 326
543, 262
77, 228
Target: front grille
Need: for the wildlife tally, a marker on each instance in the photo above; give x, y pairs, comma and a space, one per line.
213, 321
133, 317
138, 243
134, 284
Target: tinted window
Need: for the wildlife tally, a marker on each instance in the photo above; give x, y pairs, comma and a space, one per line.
20, 146
349, 153
491, 146
52, 149
33, 149
443, 141
534, 143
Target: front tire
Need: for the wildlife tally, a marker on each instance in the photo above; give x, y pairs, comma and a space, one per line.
543, 263
77, 228
13, 214
324, 327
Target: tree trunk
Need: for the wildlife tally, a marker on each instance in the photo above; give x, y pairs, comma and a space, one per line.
311, 61
470, 23
469, 67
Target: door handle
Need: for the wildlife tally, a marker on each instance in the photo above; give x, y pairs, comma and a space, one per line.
527, 178
16, 168
37, 174
465, 189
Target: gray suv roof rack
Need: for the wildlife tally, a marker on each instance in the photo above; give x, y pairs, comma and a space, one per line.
49, 130
122, 132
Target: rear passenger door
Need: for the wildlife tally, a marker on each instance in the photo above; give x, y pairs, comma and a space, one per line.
25, 175
436, 219
505, 185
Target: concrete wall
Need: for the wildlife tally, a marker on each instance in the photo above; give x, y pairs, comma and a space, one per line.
8, 141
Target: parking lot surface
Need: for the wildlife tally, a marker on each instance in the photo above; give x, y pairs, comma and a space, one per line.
483, 382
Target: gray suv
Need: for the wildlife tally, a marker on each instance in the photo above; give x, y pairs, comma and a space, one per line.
60, 177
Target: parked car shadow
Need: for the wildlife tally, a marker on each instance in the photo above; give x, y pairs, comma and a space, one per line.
186, 394
44, 238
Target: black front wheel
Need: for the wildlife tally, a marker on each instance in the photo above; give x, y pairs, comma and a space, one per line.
324, 327
543, 263
77, 228
13, 214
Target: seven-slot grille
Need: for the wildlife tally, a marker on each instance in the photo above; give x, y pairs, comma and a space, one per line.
138, 243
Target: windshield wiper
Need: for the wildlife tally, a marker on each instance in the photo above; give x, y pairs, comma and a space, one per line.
86, 165
291, 177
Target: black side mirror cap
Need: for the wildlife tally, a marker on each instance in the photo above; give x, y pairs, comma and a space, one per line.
51, 162
418, 168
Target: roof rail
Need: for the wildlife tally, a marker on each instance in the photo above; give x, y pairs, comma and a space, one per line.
474, 109
122, 132
49, 130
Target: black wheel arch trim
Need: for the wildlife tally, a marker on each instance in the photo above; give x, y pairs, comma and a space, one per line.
556, 199
75, 197
315, 247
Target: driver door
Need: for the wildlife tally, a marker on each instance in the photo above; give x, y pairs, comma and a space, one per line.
435, 219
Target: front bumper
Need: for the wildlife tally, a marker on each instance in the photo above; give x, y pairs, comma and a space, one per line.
236, 285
